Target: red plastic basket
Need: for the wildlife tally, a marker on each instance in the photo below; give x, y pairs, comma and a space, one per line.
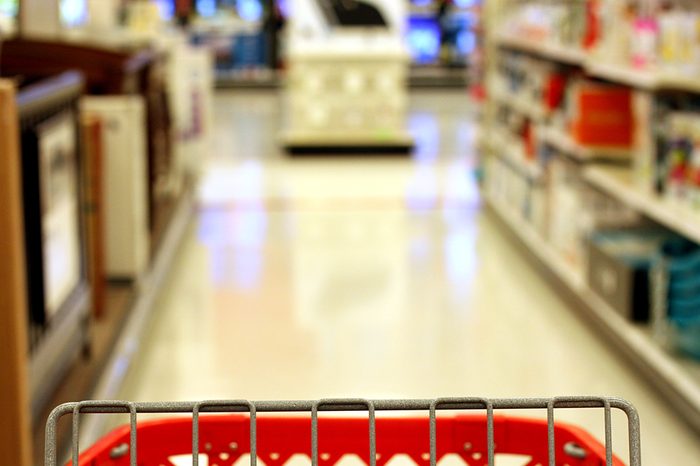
226, 438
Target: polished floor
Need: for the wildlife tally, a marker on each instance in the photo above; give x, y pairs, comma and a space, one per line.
372, 277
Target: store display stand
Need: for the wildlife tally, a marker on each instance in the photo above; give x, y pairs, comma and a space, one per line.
15, 446
347, 95
56, 339
675, 376
680, 386
126, 177
346, 89
129, 309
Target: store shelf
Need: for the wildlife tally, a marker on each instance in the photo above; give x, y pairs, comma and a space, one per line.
551, 50
562, 141
61, 346
647, 80
595, 67
621, 74
676, 377
520, 104
502, 144
679, 83
670, 373
619, 183
536, 244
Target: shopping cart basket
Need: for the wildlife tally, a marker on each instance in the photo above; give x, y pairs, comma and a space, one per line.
240, 429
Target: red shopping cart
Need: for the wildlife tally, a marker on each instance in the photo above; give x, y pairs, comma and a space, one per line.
277, 436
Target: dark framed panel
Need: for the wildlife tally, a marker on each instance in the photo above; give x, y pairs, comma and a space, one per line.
51, 179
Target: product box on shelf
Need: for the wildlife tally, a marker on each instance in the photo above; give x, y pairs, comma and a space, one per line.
650, 36
679, 158
554, 89
645, 142
522, 195
679, 41
601, 115
534, 83
676, 295
619, 262
538, 212
561, 23
125, 169
565, 207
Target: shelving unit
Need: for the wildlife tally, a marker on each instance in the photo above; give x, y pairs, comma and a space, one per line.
551, 51
57, 337
621, 74
15, 442
560, 140
613, 72
619, 184
641, 79
538, 246
669, 374
677, 377
520, 104
513, 155
130, 308
246, 49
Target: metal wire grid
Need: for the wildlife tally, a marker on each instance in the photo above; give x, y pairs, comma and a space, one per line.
489, 405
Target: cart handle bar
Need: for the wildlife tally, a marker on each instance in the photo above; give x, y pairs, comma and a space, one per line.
489, 405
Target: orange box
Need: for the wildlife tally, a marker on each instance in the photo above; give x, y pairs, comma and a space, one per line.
603, 116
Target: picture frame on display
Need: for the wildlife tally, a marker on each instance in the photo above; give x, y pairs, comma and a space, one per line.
53, 225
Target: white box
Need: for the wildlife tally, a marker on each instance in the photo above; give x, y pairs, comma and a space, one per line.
125, 196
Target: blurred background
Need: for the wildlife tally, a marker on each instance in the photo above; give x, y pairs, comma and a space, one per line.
302, 199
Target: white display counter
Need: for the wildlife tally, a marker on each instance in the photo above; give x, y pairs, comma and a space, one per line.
347, 87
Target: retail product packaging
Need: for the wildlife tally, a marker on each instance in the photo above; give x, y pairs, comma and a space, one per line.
592, 32
538, 213
565, 207
644, 45
125, 159
618, 268
554, 90
616, 31
645, 147
679, 160
679, 42
601, 115
548, 21
676, 295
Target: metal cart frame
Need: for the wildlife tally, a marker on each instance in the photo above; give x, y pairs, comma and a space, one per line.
585, 450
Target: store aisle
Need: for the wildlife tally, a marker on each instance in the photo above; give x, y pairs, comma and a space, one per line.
370, 277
